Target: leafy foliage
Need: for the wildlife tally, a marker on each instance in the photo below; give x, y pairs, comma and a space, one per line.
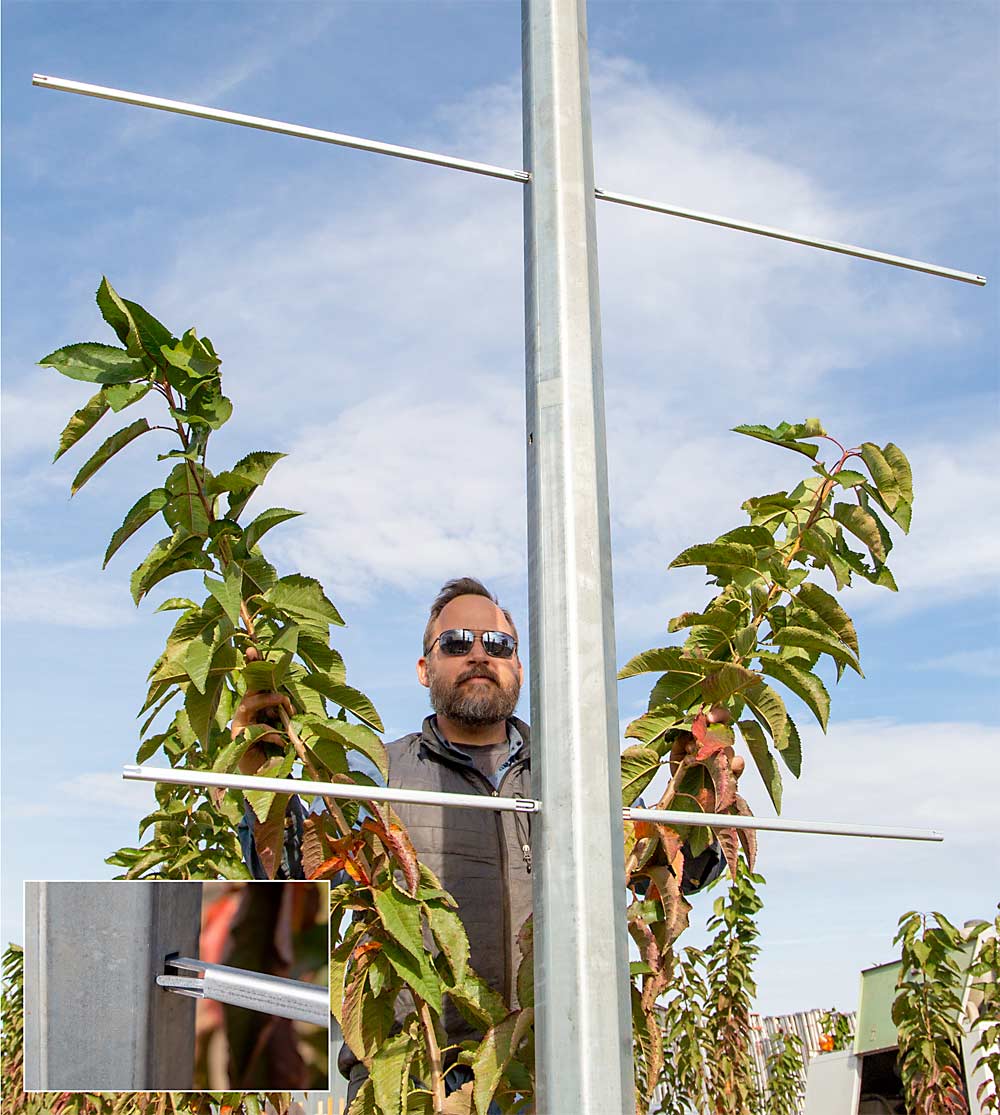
705, 1019
927, 1012
837, 1031
785, 1069
18, 1102
398, 933
986, 992
766, 633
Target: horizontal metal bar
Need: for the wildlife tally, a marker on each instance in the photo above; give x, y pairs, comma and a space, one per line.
278, 126
792, 237
286, 998
509, 805
777, 824
329, 789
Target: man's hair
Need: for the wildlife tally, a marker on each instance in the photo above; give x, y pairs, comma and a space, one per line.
460, 586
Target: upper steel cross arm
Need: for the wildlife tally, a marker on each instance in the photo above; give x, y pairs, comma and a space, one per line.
433, 158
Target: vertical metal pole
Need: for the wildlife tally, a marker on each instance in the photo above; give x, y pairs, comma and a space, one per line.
94, 1019
583, 1032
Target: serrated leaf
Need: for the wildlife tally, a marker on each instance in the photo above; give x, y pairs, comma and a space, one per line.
816, 641
863, 525
718, 554
167, 556
790, 748
144, 508
803, 683
303, 596
347, 697
494, 1054
720, 618
652, 725
122, 395
264, 522
416, 971
450, 935
639, 766
719, 687
762, 757
228, 592
111, 446
201, 649
262, 801
650, 661
900, 466
786, 434
882, 473
770, 709
848, 478
244, 478
186, 508
400, 917
390, 1073
830, 612
94, 363
356, 737
200, 707
82, 422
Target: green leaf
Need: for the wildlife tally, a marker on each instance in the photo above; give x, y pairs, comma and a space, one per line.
817, 641
830, 612
722, 619
186, 508
900, 466
790, 748
417, 971
303, 596
122, 395
169, 555
400, 916
228, 592
882, 473
264, 521
493, 1056
94, 363
848, 478
244, 478
321, 658
200, 707
82, 422
116, 442
261, 801
862, 524
650, 661
762, 756
803, 683
390, 1073
136, 328
347, 697
144, 508
719, 687
202, 646
477, 1000
718, 555
652, 725
450, 935
786, 435
639, 766
356, 737
769, 709
207, 404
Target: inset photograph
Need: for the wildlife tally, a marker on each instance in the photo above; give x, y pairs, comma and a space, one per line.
176, 986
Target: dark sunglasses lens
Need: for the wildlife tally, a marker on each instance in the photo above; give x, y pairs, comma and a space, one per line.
456, 642
498, 644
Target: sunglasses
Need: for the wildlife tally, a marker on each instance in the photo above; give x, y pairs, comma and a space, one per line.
460, 640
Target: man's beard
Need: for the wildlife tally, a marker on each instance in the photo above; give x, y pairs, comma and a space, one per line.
474, 706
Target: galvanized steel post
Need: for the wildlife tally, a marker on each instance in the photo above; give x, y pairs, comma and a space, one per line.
583, 1032
94, 1018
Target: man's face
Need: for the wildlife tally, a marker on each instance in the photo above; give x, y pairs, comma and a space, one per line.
474, 690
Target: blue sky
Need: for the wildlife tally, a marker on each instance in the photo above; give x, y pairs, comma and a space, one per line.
369, 314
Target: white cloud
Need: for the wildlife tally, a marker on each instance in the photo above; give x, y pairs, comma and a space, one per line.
92, 793
64, 594
974, 663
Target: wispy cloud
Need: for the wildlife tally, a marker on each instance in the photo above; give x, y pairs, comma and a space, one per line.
64, 594
90, 794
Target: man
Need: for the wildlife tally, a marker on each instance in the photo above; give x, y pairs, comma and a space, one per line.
472, 743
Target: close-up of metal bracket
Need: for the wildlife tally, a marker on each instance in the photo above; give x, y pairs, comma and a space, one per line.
286, 998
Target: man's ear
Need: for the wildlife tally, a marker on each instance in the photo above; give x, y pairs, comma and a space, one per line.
422, 677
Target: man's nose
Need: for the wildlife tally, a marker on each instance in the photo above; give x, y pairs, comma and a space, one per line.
477, 654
